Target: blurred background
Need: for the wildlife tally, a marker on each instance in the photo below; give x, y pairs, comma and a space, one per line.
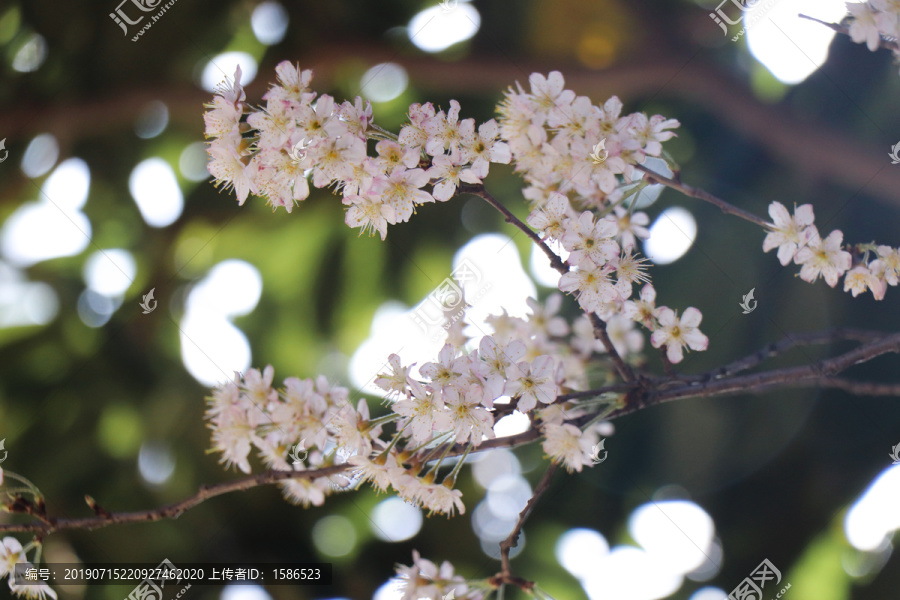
104, 195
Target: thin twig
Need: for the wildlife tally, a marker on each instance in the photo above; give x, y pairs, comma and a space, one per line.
700, 194
862, 388
169, 511
600, 332
845, 29
510, 542
480, 191
556, 262
822, 374
791, 340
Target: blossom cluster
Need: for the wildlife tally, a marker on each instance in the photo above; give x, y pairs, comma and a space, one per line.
12, 553
552, 134
798, 240
873, 22
423, 579
309, 417
301, 136
455, 400
604, 270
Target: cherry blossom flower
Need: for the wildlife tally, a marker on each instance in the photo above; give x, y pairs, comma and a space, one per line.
551, 216
630, 269
369, 214
468, 418
223, 120
414, 136
392, 155
623, 335
496, 364
447, 170
333, 157
651, 132
592, 287
305, 491
448, 371
823, 258
446, 131
860, 278
397, 381
584, 340
369, 470
543, 322
235, 93
590, 240
275, 124
424, 411
484, 148
400, 190
229, 170
293, 84
349, 427
580, 120
643, 310
676, 334
10, 553
442, 499
788, 233
566, 444
863, 27
887, 264
423, 579
355, 116
39, 590
631, 226
548, 94
231, 436
534, 382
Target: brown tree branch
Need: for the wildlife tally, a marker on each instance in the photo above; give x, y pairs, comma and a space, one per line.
480, 191
556, 262
822, 373
813, 149
510, 542
169, 511
600, 333
700, 194
791, 340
